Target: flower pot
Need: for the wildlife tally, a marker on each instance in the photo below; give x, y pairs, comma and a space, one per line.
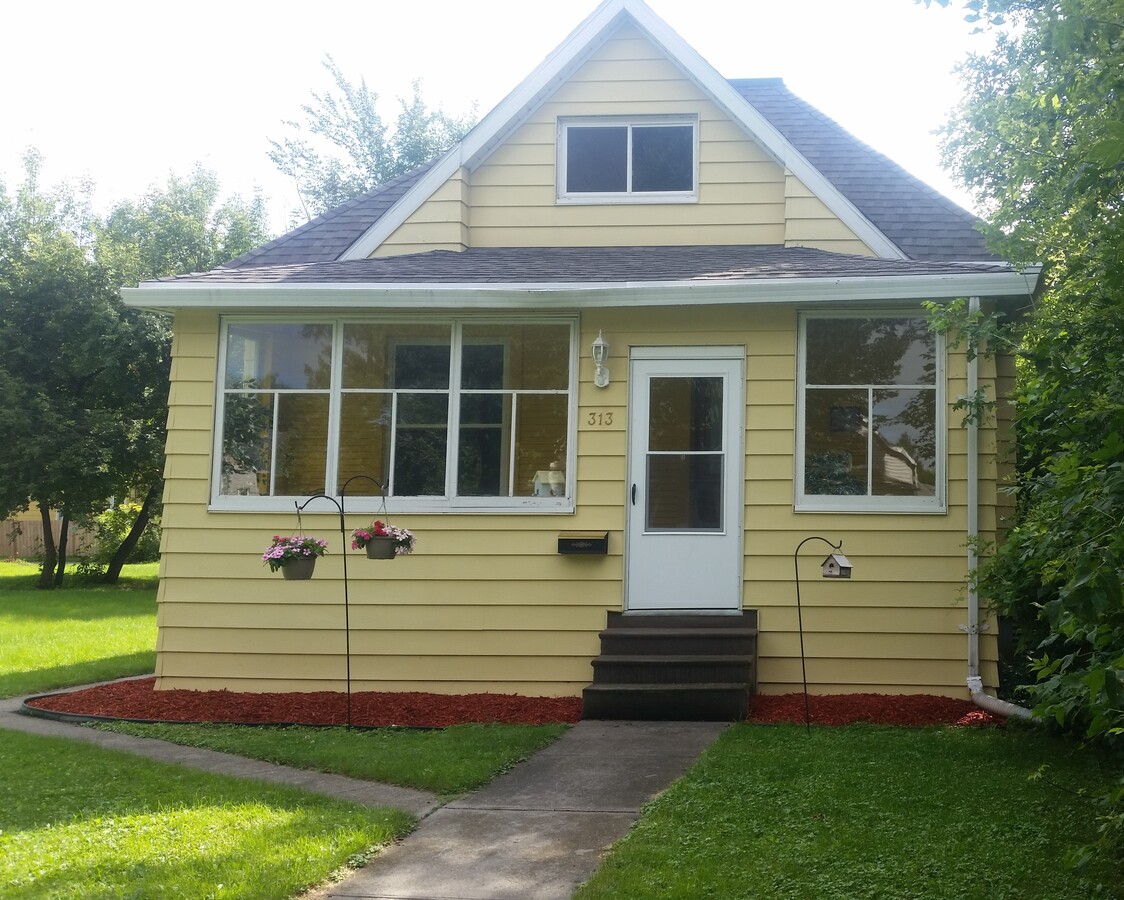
299, 569
381, 548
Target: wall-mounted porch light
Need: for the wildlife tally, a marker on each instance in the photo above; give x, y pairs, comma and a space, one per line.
600, 353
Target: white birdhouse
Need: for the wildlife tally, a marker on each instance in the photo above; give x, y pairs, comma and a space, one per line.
837, 566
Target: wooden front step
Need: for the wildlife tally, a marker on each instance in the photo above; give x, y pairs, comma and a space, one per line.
674, 667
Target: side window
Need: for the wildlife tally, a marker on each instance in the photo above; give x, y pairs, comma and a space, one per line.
871, 414
620, 160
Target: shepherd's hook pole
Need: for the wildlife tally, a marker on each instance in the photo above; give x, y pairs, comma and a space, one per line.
800, 619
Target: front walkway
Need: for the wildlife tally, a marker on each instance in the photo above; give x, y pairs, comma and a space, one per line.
534, 833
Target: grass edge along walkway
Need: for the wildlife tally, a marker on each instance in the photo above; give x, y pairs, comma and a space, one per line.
84, 821
862, 812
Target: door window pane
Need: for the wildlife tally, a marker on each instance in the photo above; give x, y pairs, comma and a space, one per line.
684, 492
685, 413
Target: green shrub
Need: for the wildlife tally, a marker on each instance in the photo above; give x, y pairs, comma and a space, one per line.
111, 528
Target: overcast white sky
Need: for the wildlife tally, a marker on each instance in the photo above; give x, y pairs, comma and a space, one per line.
127, 91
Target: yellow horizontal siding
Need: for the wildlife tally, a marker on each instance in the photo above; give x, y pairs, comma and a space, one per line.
510, 199
486, 602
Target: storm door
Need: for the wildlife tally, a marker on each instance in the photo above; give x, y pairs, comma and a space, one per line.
686, 464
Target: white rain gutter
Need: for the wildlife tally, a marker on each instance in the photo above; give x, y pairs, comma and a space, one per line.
975, 681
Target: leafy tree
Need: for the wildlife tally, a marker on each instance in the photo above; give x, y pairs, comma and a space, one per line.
63, 334
183, 227
353, 150
83, 380
1040, 139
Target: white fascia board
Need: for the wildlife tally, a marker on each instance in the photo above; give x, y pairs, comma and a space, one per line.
568, 295
513, 109
529, 94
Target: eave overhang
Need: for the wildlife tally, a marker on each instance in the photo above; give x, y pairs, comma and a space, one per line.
546, 296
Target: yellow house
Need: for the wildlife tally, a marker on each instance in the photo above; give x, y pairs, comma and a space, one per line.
614, 358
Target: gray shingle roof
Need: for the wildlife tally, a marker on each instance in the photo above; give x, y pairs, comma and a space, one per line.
331, 233
922, 222
539, 265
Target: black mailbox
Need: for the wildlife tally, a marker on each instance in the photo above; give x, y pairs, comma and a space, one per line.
587, 543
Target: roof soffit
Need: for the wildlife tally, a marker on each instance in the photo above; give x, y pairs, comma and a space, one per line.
534, 90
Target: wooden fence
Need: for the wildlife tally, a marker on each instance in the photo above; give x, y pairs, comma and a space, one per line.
24, 540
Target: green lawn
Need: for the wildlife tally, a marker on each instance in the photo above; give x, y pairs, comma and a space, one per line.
865, 812
77, 634
81, 822
446, 761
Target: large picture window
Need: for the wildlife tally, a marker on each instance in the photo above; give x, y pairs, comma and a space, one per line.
445, 414
871, 427
614, 160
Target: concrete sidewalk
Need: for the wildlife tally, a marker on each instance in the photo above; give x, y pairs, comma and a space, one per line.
540, 830
534, 833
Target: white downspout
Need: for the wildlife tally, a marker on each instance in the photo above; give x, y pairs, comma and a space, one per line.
975, 681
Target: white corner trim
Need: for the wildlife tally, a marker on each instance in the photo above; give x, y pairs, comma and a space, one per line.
529, 94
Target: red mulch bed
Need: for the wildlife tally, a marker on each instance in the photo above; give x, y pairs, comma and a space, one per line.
137, 699
878, 709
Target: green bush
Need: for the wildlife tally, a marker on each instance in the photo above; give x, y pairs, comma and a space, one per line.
113, 525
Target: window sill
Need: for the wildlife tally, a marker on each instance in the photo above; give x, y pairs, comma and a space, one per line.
871, 506
618, 199
366, 505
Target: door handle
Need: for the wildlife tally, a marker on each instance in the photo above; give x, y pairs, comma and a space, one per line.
634, 495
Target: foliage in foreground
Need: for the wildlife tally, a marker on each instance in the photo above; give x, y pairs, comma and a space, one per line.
79, 821
74, 635
865, 811
1039, 138
446, 761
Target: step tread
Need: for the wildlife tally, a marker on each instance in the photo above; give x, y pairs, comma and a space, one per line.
716, 633
675, 658
644, 687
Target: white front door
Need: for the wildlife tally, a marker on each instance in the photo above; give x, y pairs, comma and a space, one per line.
686, 461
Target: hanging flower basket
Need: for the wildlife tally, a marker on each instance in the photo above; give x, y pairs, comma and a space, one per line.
295, 556
383, 541
299, 569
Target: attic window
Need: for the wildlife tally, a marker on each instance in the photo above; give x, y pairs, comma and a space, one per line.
646, 160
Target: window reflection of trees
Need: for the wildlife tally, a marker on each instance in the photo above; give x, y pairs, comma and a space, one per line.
870, 406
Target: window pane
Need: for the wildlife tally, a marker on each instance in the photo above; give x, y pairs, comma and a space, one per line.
404, 356
247, 435
302, 444
904, 443
483, 458
420, 444
482, 366
540, 445
869, 351
685, 413
596, 159
534, 357
684, 492
835, 442
364, 441
278, 355
663, 158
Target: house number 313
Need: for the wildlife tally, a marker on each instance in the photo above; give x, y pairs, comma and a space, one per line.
600, 419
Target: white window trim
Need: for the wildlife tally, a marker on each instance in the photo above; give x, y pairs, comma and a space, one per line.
565, 197
936, 504
404, 505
